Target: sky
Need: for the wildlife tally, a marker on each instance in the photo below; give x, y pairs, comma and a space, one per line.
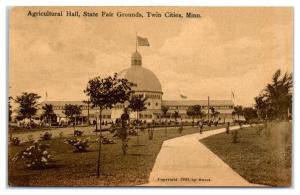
227, 49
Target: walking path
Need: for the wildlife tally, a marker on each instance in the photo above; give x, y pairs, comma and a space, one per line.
184, 161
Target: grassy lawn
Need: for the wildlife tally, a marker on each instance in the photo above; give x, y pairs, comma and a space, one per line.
261, 157
79, 169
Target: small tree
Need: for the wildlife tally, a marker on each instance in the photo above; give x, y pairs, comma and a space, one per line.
176, 115
249, 113
238, 110
48, 112
9, 115
164, 110
137, 104
28, 103
194, 111
191, 113
9, 108
198, 111
275, 102
72, 112
214, 113
104, 93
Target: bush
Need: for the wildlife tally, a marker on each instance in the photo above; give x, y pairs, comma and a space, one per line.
132, 132
78, 144
61, 134
35, 156
142, 128
259, 130
150, 134
46, 136
78, 133
235, 136
106, 140
15, 141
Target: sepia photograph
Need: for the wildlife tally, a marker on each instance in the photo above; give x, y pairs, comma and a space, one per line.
157, 96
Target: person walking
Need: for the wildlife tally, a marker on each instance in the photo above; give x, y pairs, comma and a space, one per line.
200, 127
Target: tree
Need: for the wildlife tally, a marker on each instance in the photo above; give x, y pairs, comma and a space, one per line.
191, 113
48, 113
249, 113
261, 106
214, 113
9, 115
104, 93
275, 101
195, 111
72, 112
28, 103
237, 110
137, 104
164, 110
176, 115
198, 111
9, 108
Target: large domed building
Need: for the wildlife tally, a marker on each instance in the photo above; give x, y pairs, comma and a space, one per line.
145, 83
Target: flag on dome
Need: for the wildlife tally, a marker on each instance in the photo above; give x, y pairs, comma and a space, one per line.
142, 41
183, 96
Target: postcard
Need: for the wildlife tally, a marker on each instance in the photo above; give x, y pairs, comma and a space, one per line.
150, 96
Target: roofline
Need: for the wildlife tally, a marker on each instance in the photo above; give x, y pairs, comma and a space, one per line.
149, 91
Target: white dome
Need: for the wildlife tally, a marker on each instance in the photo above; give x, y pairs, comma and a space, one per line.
144, 79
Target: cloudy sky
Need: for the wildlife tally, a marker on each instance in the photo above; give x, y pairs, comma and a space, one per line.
226, 49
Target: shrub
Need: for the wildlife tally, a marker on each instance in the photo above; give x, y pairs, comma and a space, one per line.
259, 130
142, 128
106, 140
35, 156
61, 134
15, 141
46, 136
78, 133
78, 144
150, 134
132, 132
235, 136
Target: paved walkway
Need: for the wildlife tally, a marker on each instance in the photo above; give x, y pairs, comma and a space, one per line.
184, 161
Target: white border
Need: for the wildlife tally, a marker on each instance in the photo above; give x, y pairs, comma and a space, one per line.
4, 4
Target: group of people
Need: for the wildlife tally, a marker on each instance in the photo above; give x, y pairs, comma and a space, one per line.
201, 125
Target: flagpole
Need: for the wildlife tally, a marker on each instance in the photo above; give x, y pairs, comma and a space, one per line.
136, 43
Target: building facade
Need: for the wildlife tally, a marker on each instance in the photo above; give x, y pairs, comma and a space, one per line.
145, 83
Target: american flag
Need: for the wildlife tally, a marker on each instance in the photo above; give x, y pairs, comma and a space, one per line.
183, 96
142, 41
